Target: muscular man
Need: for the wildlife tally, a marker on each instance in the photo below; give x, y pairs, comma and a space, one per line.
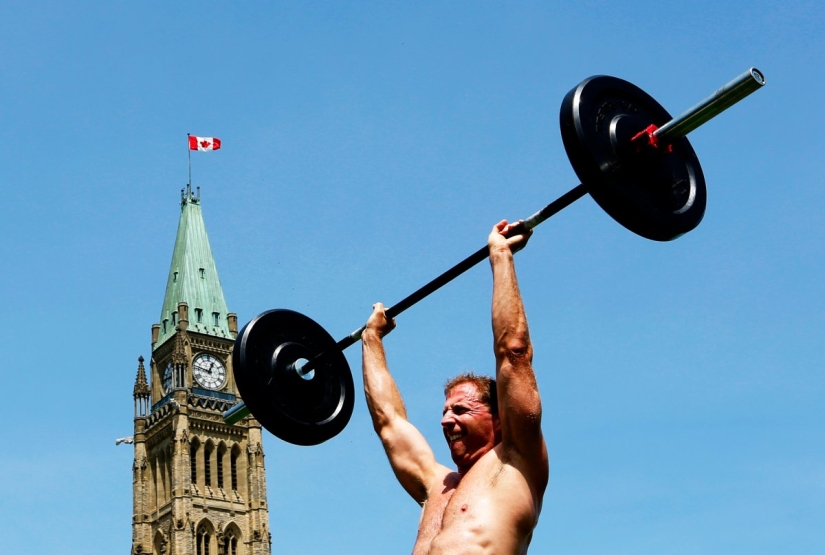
491, 503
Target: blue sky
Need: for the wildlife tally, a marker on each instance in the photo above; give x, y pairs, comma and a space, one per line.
367, 147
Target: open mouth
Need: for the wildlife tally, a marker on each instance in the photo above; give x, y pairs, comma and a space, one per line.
453, 437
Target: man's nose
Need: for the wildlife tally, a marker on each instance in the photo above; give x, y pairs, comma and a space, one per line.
447, 419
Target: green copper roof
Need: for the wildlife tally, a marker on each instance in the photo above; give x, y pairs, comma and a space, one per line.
193, 277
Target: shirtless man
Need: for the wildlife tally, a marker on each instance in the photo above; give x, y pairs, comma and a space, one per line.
492, 502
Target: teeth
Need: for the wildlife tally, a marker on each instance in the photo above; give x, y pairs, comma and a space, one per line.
453, 438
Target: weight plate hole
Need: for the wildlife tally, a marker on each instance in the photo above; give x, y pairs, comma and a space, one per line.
299, 367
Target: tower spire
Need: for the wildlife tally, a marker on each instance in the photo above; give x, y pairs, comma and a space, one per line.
141, 384
193, 277
141, 392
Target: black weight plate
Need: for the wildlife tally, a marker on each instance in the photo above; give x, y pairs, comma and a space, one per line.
298, 410
659, 193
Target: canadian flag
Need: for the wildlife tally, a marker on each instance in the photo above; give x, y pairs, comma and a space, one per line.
204, 143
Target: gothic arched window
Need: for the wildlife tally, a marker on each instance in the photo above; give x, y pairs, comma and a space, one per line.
219, 464
161, 483
233, 467
207, 464
231, 542
202, 540
193, 461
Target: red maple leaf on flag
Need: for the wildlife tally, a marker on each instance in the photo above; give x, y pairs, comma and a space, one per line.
204, 143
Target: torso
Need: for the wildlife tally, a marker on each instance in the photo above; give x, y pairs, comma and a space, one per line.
491, 509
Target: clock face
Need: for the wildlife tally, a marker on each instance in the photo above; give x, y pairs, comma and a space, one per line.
209, 372
167, 377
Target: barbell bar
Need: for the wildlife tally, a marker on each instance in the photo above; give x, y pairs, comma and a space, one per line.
630, 155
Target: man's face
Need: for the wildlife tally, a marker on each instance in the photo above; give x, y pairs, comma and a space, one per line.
469, 427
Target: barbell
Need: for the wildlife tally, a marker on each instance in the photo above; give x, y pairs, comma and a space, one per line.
630, 155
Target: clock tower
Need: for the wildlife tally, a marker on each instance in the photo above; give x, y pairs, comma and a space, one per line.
199, 486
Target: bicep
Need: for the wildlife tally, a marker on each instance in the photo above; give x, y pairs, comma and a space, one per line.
410, 456
520, 410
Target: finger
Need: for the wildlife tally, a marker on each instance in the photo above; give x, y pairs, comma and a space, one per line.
381, 312
514, 229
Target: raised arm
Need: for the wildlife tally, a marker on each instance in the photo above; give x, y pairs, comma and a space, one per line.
518, 395
409, 454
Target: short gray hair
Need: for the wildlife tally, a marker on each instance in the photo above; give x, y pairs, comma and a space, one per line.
485, 385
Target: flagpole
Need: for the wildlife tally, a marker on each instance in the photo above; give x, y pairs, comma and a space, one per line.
189, 154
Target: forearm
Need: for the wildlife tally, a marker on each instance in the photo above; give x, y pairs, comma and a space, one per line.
518, 396
383, 398
510, 332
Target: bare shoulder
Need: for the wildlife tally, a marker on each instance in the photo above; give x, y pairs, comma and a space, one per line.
533, 466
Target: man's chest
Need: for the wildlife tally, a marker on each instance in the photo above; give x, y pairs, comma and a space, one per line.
487, 507
463, 496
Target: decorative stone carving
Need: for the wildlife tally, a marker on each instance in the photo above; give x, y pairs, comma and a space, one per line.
179, 354
221, 542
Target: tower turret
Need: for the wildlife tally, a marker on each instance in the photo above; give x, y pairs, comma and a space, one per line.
141, 392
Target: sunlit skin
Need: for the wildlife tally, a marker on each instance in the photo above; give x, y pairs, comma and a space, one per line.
470, 427
491, 502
